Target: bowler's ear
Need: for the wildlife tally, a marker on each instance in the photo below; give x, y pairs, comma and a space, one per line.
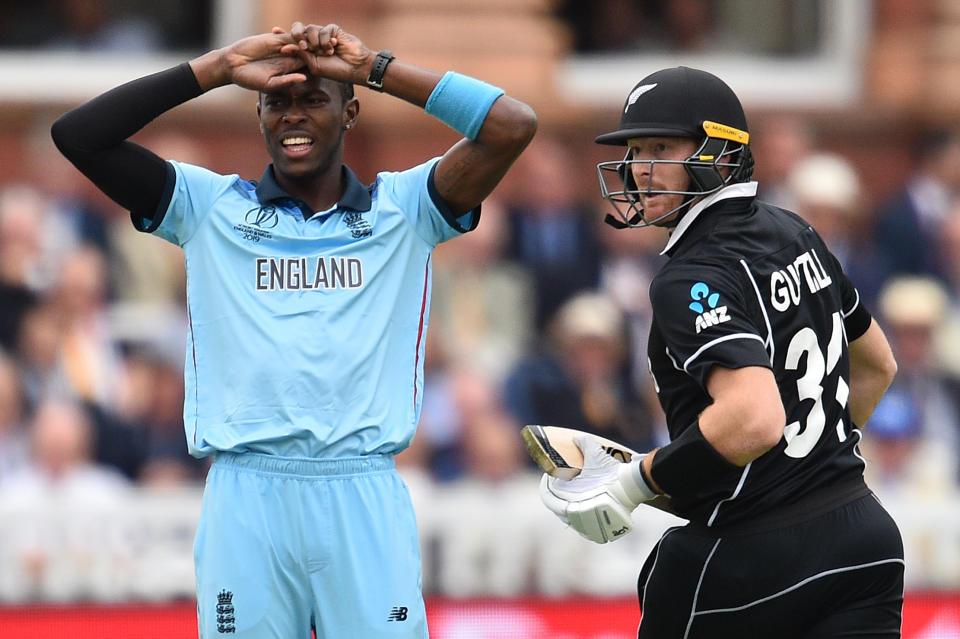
350, 112
260, 122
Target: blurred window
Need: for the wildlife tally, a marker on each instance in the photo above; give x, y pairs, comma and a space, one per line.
104, 43
771, 52
134, 26
766, 27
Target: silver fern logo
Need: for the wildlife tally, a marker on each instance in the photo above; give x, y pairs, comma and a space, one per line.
636, 93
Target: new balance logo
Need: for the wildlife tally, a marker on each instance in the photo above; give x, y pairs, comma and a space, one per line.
398, 613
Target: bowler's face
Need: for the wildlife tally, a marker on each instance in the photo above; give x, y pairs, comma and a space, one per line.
303, 126
651, 177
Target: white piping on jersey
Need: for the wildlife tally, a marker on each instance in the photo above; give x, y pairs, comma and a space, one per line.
736, 493
741, 189
856, 303
856, 447
656, 558
696, 593
771, 347
800, 584
671, 358
717, 341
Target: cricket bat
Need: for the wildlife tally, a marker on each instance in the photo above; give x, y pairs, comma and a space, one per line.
555, 452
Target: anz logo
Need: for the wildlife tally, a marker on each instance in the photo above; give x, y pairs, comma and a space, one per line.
711, 314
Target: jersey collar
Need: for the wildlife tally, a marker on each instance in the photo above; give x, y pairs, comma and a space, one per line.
356, 197
742, 189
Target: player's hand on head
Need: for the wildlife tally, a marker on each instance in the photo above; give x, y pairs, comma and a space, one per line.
330, 52
260, 62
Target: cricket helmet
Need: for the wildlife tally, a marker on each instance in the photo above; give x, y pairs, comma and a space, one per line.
677, 102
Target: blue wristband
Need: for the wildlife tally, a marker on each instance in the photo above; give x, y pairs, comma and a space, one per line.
462, 102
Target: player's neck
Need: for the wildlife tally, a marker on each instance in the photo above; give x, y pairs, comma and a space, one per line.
320, 190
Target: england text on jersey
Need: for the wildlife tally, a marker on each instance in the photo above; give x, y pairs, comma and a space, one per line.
785, 288
307, 273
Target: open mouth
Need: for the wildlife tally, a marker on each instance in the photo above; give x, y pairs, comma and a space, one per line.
296, 145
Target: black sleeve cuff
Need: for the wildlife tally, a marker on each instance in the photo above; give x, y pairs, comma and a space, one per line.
857, 322
472, 217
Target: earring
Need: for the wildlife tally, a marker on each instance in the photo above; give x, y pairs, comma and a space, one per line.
348, 126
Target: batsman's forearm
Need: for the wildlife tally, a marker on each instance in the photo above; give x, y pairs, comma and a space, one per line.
872, 369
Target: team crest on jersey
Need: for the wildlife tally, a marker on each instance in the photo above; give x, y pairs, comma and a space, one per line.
226, 616
711, 314
358, 226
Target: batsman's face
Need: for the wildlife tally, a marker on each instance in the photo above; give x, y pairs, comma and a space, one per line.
303, 126
653, 172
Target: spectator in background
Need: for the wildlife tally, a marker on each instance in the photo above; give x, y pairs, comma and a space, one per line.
64, 504
458, 399
627, 26
480, 554
81, 214
781, 141
903, 464
606, 25
825, 190
689, 25
947, 344
38, 354
578, 378
553, 232
14, 445
21, 256
62, 441
630, 261
80, 25
924, 411
909, 223
154, 412
67, 349
480, 307
90, 357
35, 236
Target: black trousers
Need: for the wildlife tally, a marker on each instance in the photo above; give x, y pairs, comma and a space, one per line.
839, 574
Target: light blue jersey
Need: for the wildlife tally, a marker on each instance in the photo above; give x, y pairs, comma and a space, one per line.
306, 330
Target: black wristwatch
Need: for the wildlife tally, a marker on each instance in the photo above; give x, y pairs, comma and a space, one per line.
375, 79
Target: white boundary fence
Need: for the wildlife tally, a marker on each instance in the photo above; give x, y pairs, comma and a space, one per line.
479, 539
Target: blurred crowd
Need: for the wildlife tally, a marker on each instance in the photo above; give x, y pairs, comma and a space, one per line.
539, 316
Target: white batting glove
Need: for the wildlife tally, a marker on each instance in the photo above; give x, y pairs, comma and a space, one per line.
597, 502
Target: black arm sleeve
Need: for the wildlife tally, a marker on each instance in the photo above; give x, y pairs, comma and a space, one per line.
94, 136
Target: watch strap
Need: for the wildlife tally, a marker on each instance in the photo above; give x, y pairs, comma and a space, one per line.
375, 79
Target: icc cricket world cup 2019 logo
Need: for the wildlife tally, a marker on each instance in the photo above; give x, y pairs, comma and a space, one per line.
226, 621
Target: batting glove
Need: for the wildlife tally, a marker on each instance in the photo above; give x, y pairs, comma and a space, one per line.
597, 502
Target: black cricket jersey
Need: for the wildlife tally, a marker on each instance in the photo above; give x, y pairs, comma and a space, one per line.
749, 284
